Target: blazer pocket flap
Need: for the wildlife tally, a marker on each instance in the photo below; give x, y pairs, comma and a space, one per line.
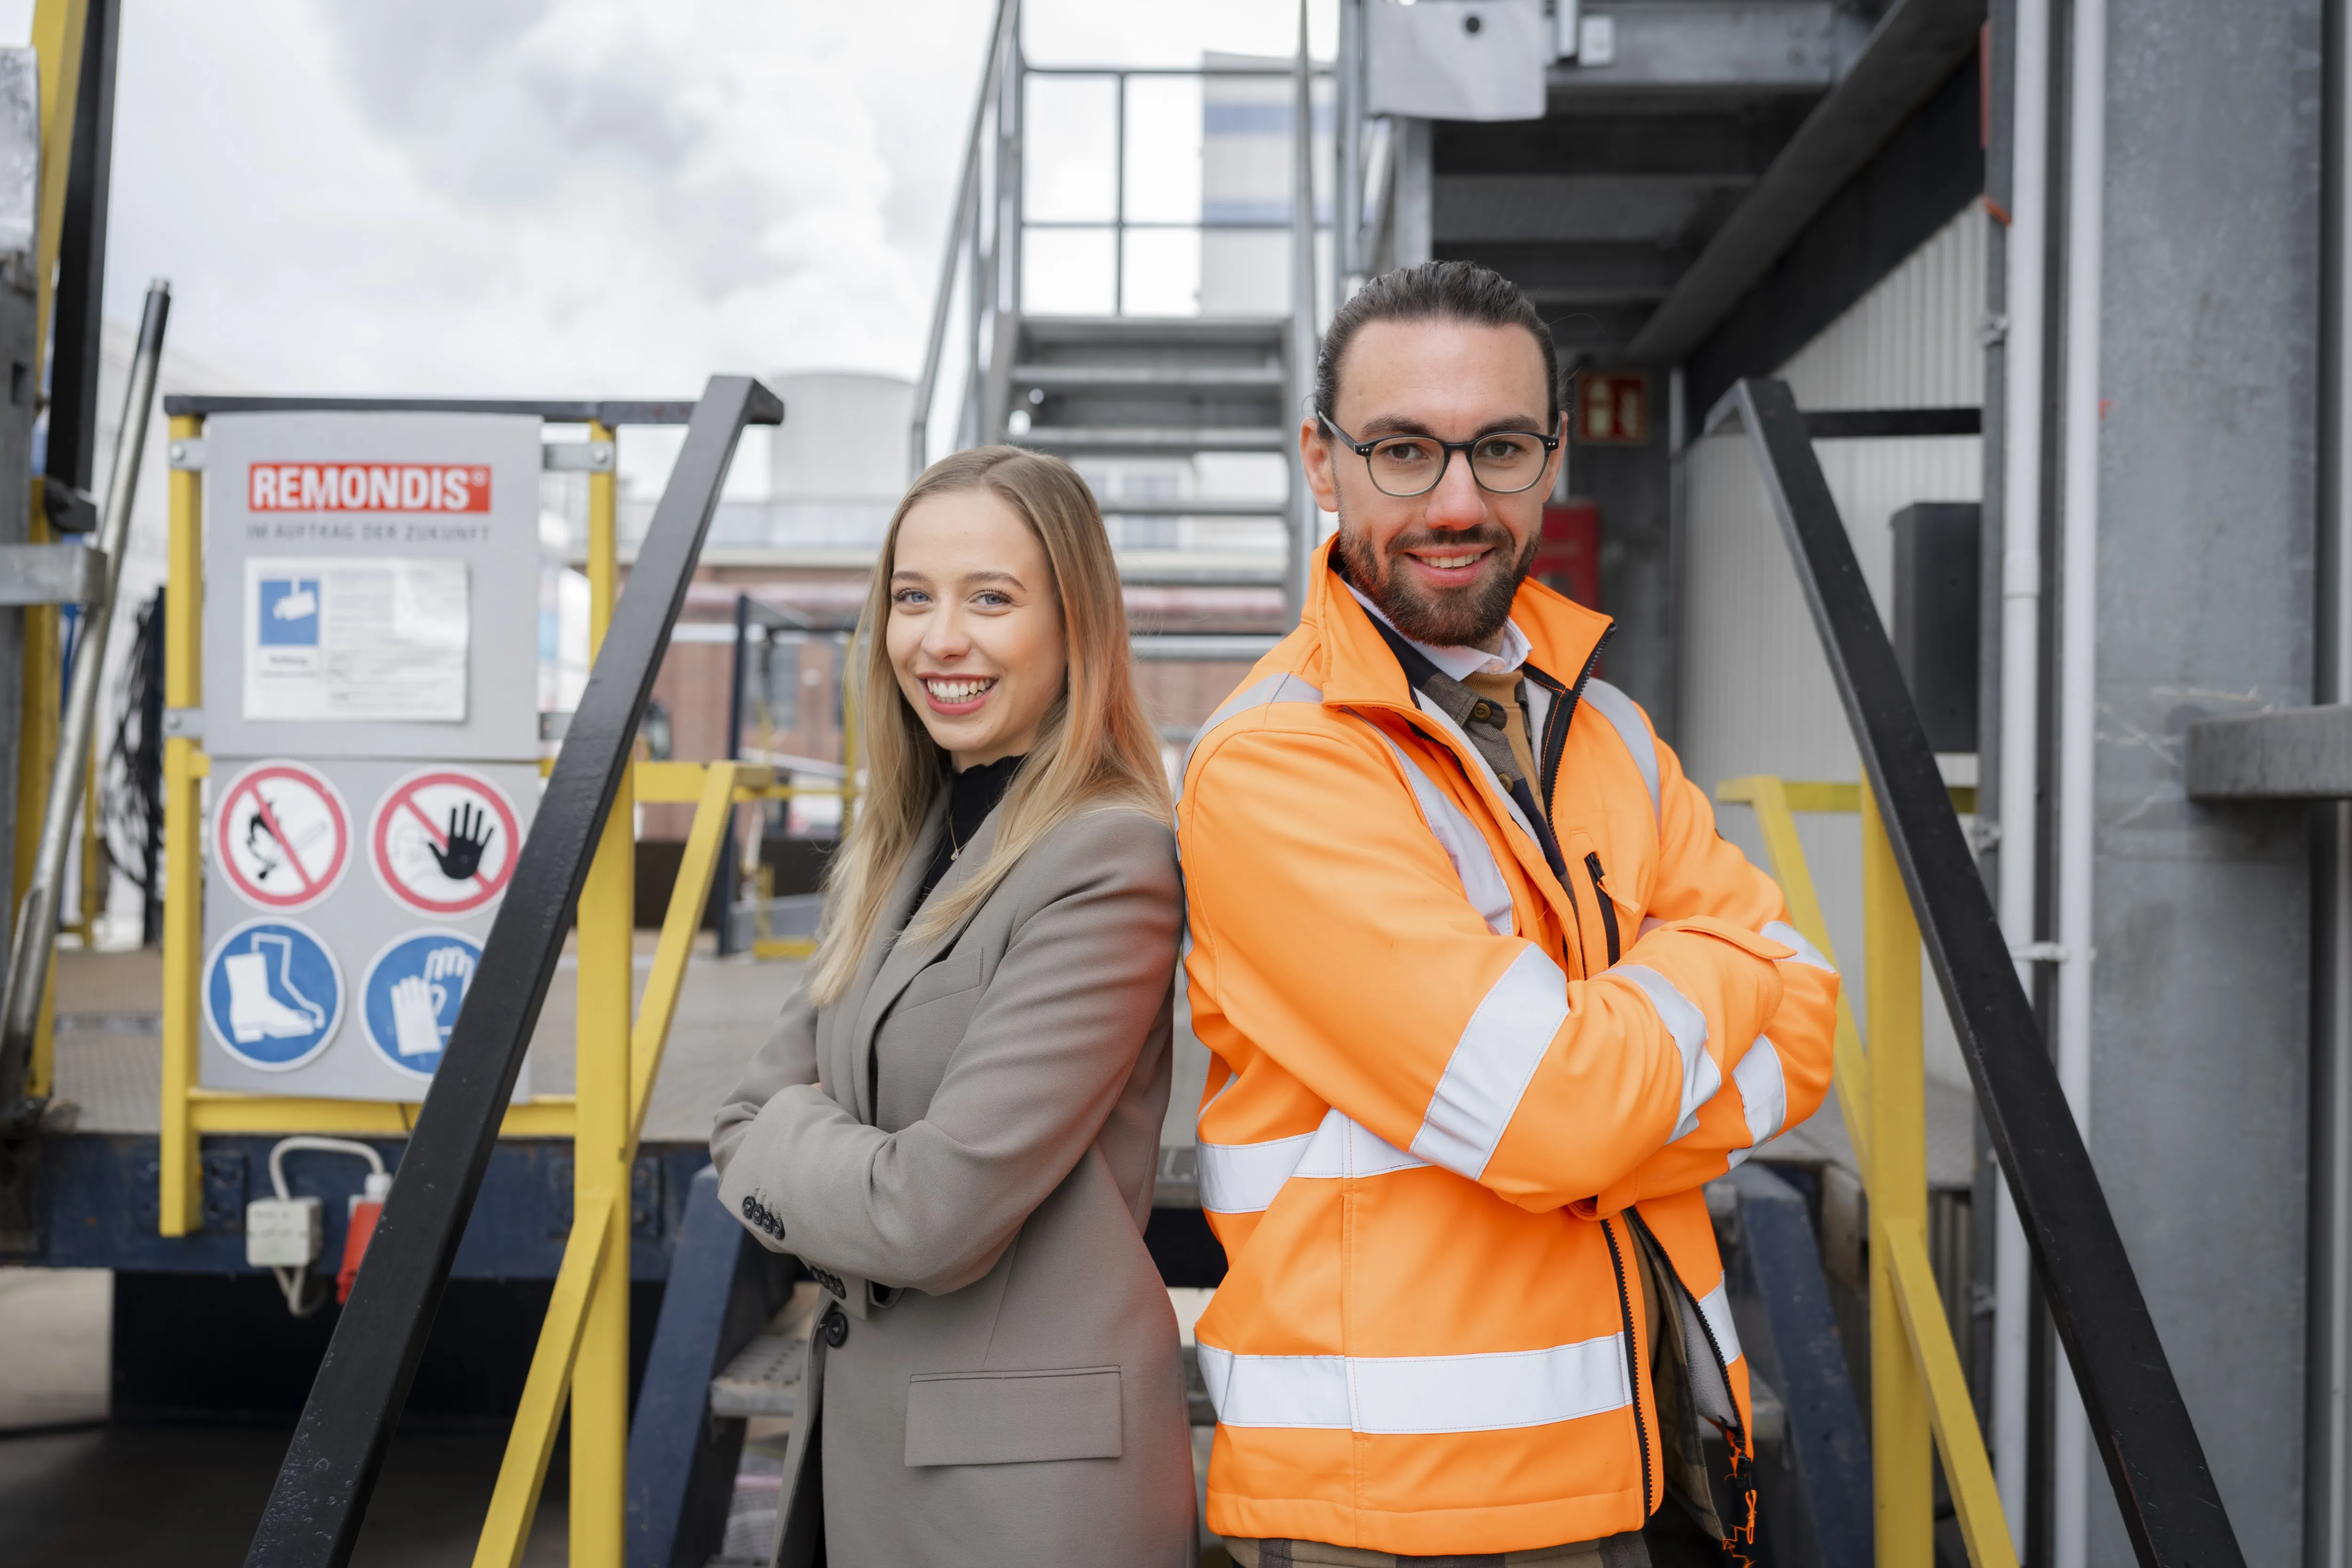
1013, 1418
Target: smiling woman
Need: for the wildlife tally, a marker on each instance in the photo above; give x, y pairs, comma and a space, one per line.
955, 1124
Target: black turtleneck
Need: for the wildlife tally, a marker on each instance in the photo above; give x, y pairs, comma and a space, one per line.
971, 795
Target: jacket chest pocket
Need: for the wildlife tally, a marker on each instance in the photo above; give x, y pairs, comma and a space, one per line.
1013, 1418
921, 1032
1608, 915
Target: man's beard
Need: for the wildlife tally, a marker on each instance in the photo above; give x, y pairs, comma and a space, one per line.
1454, 617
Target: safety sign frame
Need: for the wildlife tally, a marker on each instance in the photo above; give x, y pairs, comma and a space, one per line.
250, 992
408, 851
310, 800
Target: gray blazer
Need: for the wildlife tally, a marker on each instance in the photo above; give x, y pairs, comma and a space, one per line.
1007, 1387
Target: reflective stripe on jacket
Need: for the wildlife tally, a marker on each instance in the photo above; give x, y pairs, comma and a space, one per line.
1448, 1084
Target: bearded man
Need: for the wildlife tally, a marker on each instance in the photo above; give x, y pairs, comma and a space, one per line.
1489, 1002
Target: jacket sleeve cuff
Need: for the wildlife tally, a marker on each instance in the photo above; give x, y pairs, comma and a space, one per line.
1615, 1199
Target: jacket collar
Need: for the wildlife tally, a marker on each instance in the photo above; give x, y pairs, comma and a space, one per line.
1363, 667
1359, 670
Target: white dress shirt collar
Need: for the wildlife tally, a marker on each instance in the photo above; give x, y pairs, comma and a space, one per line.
1459, 663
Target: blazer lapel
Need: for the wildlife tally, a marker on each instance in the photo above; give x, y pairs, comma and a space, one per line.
846, 1058
905, 958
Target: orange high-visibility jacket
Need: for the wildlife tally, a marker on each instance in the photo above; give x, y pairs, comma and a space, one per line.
1448, 1083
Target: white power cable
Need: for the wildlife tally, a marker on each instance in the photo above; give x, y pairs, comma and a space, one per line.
292, 1283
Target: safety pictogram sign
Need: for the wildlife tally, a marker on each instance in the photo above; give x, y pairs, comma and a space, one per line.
273, 994
282, 836
444, 841
410, 998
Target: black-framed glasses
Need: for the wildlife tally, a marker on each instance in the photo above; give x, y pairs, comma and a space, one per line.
1503, 462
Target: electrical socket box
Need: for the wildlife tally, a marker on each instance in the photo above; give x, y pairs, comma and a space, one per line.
284, 1233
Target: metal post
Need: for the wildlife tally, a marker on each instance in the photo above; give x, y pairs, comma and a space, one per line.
37, 924
2078, 634
179, 1207
59, 27
1119, 198
600, 1152
1348, 152
1903, 1484
1304, 518
2327, 1405
2026, 249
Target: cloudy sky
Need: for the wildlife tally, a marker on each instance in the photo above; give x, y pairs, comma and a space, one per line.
565, 196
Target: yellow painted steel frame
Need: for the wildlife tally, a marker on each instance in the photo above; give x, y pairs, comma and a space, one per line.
566, 1336
1917, 1393
58, 26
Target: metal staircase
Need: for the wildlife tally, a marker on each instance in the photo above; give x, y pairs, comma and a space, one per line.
1184, 425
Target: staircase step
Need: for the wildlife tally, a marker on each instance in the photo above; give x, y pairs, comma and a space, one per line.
1154, 440
1220, 330
764, 1377
1170, 378
1189, 506
1177, 572
1235, 648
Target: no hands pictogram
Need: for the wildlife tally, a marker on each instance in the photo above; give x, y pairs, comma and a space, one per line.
444, 841
282, 836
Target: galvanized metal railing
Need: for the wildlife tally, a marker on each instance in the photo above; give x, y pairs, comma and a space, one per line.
1918, 863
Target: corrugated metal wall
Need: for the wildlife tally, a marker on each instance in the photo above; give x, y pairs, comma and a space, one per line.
1756, 695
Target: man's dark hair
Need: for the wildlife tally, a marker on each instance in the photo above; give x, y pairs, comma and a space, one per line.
1434, 290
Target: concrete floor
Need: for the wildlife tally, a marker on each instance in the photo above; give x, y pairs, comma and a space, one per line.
118, 1497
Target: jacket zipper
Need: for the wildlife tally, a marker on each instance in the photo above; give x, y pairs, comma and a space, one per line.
1563, 710
1722, 1367
1608, 905
1632, 1360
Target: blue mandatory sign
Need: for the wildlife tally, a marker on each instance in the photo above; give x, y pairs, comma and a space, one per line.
290, 612
411, 996
273, 995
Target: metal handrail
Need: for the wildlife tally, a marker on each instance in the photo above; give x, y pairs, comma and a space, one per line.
967, 219
322, 1490
2171, 1509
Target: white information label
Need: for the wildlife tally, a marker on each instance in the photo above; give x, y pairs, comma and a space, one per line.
380, 638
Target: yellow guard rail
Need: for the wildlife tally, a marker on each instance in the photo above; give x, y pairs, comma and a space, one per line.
1917, 1395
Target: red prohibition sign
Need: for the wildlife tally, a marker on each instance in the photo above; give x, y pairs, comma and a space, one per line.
281, 835
445, 841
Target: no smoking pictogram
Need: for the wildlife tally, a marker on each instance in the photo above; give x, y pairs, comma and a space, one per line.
444, 841
281, 835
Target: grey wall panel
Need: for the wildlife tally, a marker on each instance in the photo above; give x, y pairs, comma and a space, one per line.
1756, 695
2208, 378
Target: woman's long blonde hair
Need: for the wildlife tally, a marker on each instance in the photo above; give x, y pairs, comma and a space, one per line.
1095, 747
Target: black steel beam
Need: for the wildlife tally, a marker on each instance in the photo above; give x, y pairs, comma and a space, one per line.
1913, 48
322, 1490
2171, 1509
1870, 424
72, 450
614, 412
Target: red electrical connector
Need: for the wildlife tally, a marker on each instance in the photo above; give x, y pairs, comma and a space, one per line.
358, 1231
